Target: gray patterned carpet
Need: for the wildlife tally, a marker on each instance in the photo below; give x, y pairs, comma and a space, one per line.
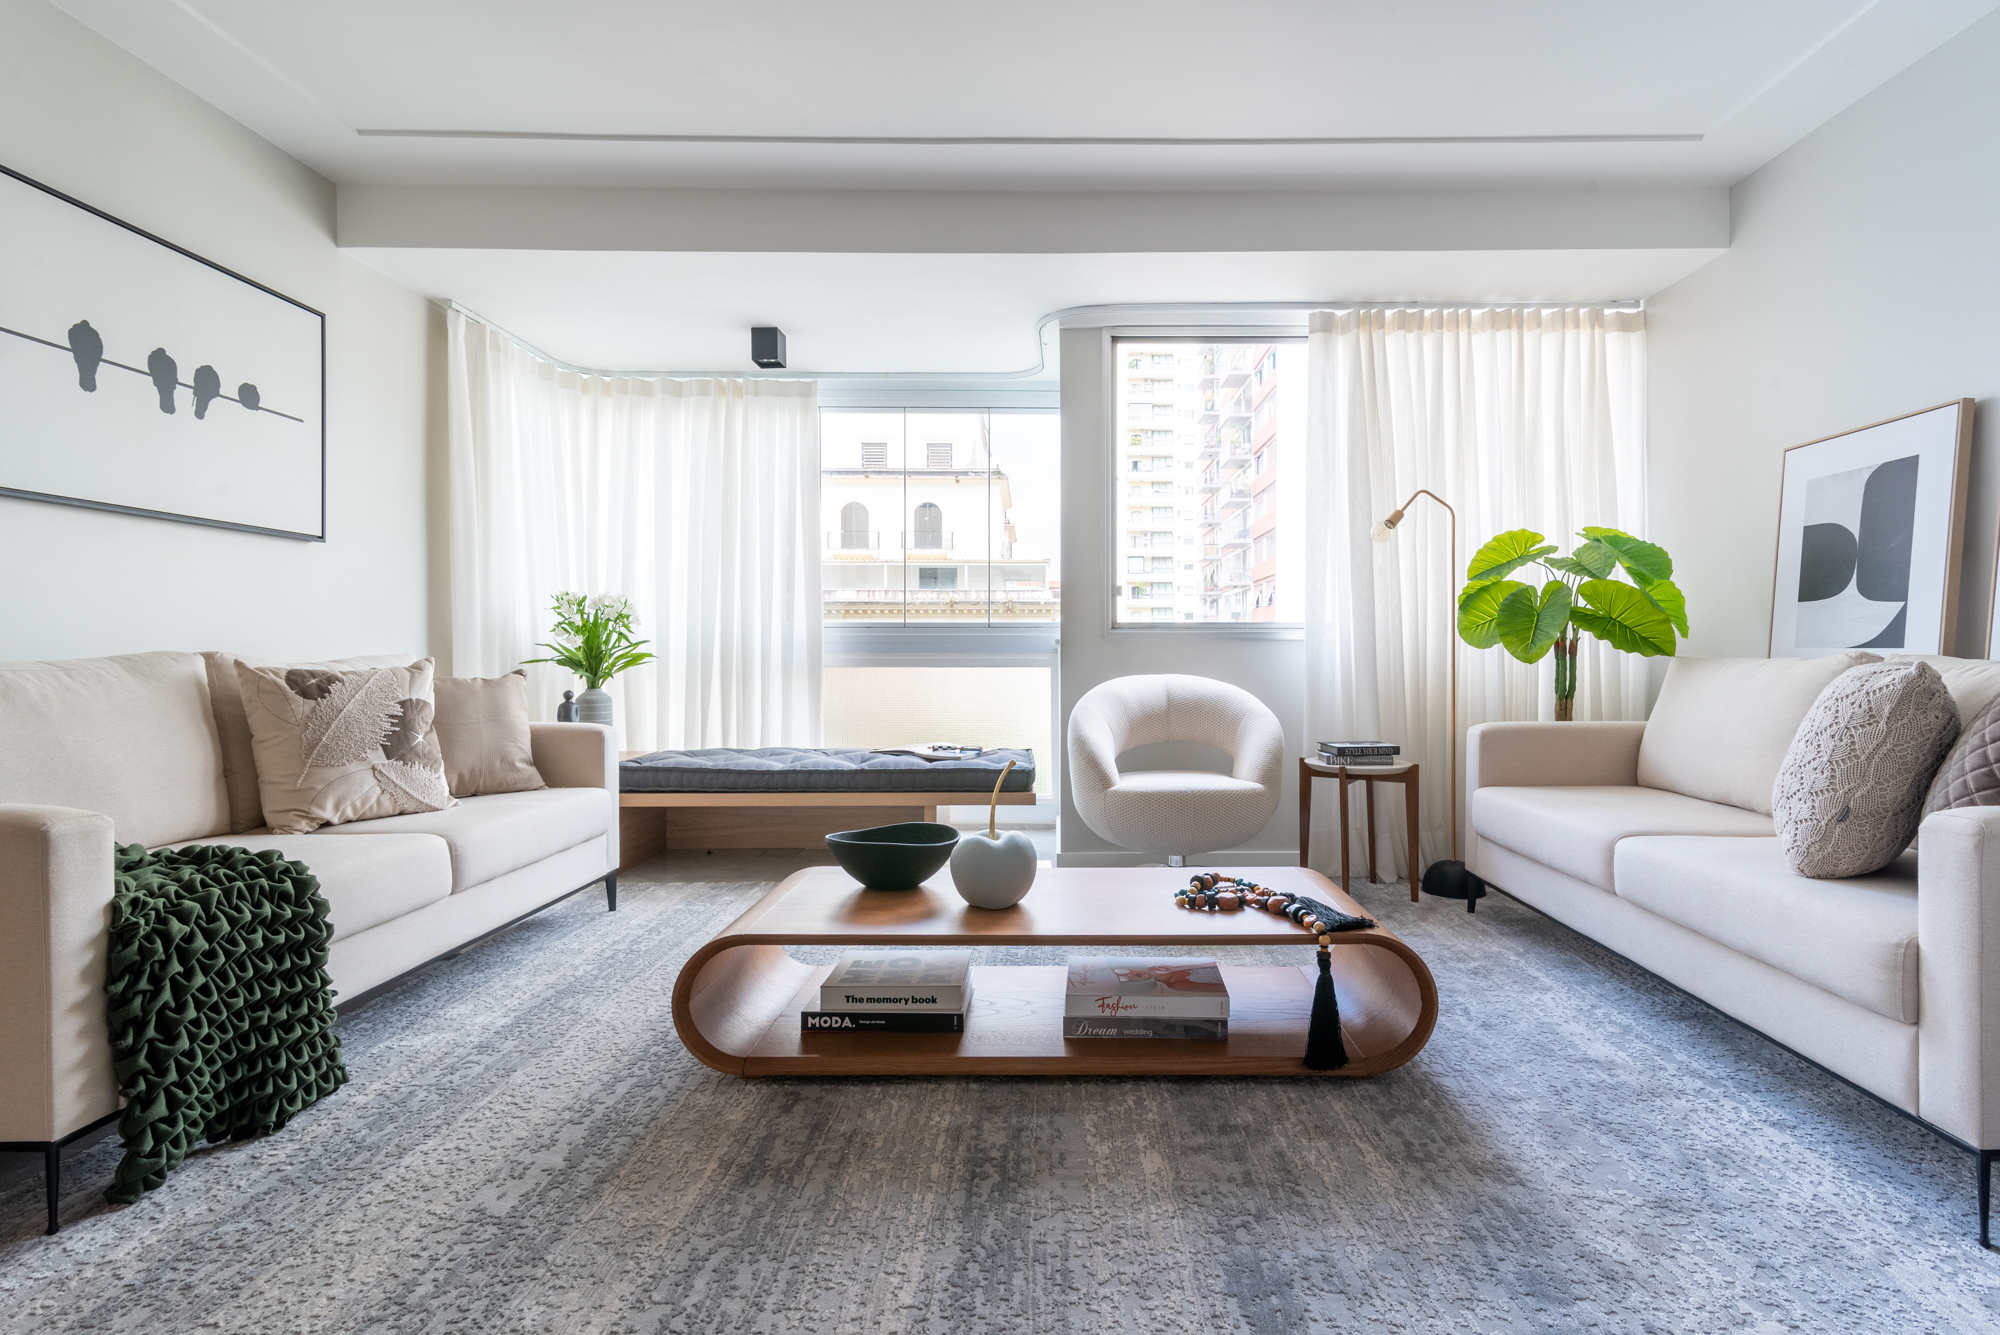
526, 1147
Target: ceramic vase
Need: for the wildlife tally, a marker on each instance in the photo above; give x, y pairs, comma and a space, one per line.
594, 706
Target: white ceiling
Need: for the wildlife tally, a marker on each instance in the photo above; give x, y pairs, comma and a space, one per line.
1734, 82
930, 314
730, 102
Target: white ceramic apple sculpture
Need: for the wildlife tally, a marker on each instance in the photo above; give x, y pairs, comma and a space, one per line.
993, 870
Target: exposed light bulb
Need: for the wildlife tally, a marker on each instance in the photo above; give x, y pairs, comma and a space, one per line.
1384, 530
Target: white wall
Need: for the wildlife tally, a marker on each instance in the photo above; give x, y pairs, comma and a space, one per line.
81, 115
1862, 282
1272, 669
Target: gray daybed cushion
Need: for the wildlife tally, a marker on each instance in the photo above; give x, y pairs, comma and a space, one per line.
784, 769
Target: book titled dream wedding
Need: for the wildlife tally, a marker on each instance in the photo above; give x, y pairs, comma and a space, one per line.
1144, 1026
882, 979
1110, 987
884, 1021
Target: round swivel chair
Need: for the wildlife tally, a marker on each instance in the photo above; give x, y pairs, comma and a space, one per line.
1174, 812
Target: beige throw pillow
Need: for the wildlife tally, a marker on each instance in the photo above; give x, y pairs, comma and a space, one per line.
1721, 726
1970, 775
338, 746
1850, 794
482, 727
239, 757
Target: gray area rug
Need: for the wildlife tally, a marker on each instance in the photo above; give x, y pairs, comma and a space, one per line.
527, 1147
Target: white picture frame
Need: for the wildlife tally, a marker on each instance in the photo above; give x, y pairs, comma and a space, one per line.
140, 378
1870, 523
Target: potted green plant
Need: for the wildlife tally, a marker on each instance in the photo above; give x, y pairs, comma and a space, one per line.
1583, 596
593, 639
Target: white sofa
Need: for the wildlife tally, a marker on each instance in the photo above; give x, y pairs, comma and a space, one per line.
152, 749
1651, 839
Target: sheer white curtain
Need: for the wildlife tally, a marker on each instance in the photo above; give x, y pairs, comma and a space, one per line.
696, 499
1520, 418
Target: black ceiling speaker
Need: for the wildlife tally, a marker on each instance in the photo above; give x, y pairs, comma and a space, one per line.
767, 347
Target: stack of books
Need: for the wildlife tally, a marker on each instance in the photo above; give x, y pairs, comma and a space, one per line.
1145, 997
1359, 753
887, 991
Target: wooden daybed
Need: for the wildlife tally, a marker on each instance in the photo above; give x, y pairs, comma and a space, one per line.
654, 822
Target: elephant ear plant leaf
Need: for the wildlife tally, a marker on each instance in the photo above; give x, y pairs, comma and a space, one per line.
1582, 597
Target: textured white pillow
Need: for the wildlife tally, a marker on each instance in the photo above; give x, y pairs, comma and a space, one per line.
1850, 793
1721, 725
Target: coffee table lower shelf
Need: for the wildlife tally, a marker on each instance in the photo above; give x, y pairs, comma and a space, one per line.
1014, 1027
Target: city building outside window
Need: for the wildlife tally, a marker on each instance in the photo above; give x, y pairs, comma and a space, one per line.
1217, 426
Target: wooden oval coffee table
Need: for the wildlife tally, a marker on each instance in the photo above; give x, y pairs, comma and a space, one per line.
737, 1000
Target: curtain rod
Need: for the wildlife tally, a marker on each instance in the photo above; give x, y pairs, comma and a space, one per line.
1041, 326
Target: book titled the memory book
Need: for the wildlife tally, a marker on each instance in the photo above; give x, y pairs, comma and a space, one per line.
885, 1021
1148, 993
892, 980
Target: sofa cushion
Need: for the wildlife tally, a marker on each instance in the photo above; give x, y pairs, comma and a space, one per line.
232, 724
1855, 938
1974, 683
1851, 790
130, 737
366, 882
502, 832
334, 747
1576, 830
1721, 726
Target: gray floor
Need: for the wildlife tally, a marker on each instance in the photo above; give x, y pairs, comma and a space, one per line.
526, 1146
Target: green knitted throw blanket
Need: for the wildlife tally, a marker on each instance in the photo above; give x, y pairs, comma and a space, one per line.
220, 1010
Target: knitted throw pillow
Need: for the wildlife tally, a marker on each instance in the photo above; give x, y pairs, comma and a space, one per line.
1851, 792
1971, 773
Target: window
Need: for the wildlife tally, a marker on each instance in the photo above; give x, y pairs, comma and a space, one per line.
928, 531
1135, 565
1241, 437
981, 504
854, 534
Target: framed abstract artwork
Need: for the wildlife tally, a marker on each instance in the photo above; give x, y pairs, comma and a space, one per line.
1869, 527
139, 377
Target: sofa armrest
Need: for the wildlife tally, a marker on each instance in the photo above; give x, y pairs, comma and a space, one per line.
55, 917
1958, 974
575, 755
1552, 755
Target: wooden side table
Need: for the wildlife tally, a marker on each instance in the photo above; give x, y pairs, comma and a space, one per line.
1368, 775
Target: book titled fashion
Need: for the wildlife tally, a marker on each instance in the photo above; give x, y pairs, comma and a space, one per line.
1144, 987
881, 979
885, 1021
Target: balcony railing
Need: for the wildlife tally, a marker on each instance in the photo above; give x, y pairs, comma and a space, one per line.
854, 540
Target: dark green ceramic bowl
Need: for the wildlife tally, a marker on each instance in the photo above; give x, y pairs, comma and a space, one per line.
894, 857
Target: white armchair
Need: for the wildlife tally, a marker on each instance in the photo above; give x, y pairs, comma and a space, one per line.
1174, 812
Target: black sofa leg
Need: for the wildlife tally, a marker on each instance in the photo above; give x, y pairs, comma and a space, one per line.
611, 892
1986, 1196
52, 1180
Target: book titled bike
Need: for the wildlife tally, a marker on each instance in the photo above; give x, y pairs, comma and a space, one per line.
883, 1022
1144, 1026
1112, 987
880, 979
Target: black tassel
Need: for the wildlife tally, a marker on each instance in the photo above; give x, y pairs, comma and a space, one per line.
1324, 1050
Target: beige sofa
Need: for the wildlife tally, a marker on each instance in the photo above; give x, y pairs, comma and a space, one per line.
1656, 840
154, 749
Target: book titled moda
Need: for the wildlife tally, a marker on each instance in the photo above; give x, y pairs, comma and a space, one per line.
893, 992
1144, 997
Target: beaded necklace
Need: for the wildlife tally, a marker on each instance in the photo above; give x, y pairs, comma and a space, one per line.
1215, 893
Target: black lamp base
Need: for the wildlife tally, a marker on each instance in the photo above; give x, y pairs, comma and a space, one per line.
1450, 880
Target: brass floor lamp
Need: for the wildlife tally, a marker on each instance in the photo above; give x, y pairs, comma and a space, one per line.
1450, 879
